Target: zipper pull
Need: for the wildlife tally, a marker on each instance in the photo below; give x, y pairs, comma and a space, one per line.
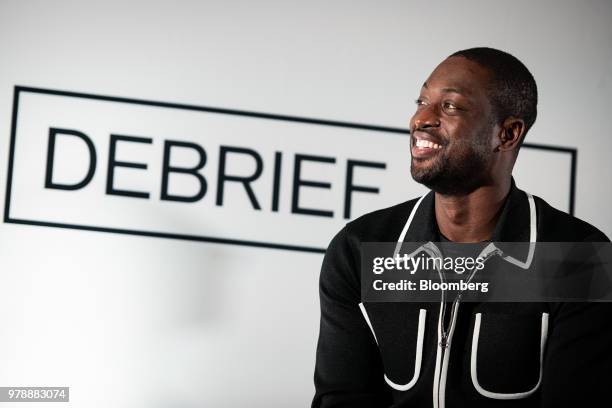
444, 341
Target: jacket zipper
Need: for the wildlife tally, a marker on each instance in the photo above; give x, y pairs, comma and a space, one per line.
446, 338
444, 345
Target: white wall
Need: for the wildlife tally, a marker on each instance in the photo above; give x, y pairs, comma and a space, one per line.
139, 321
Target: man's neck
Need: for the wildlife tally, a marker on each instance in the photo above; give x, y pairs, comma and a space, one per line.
471, 217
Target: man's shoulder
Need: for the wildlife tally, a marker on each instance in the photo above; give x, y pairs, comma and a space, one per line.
384, 225
558, 226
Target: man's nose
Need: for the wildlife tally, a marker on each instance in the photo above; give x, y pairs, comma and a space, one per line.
426, 118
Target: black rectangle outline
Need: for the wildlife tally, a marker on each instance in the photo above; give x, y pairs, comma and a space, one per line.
18, 89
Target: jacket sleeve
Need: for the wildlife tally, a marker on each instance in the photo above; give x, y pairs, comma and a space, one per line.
578, 362
348, 370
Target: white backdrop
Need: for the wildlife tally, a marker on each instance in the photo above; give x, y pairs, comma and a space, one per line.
137, 321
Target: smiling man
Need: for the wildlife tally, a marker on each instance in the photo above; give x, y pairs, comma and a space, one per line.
472, 115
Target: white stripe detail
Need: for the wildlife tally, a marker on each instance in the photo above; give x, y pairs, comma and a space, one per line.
419, 349
473, 359
533, 224
533, 236
436, 383
406, 226
418, 359
367, 319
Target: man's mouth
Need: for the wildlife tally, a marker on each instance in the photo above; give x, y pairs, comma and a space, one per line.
425, 145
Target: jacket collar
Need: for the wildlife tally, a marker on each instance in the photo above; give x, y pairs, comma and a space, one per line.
513, 224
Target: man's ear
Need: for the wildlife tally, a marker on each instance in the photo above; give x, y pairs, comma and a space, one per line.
511, 134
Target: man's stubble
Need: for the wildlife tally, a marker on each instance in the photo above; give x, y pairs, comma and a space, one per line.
459, 169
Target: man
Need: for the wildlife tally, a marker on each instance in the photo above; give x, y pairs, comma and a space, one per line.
472, 115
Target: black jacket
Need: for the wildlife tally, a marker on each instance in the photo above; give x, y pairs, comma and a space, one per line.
500, 354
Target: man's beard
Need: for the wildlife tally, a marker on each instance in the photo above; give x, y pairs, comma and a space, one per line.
459, 172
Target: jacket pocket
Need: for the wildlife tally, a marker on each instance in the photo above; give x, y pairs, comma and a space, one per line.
399, 352
507, 354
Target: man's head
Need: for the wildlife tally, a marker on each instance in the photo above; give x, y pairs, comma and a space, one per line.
474, 109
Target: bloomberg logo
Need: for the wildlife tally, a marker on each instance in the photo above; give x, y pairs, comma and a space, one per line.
122, 165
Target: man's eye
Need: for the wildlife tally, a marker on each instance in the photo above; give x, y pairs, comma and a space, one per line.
449, 105
419, 102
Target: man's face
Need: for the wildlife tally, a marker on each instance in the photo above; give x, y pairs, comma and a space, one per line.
452, 130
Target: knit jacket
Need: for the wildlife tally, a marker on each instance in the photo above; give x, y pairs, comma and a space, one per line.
497, 354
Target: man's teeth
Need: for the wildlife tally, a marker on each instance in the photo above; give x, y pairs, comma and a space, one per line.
427, 144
